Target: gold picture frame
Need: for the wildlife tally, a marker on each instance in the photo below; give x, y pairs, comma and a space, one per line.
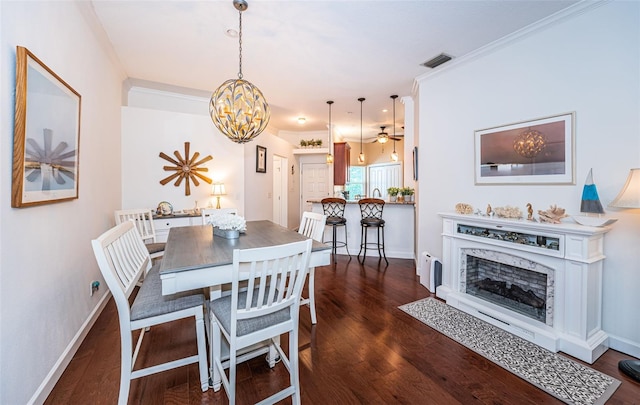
46, 135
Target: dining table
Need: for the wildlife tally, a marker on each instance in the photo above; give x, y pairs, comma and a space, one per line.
195, 258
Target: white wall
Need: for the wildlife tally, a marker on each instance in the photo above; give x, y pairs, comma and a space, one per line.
147, 132
589, 64
47, 264
161, 121
259, 186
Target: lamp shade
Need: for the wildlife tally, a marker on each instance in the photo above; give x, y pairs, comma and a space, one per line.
629, 196
218, 189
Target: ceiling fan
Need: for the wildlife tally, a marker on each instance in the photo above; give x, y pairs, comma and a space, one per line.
384, 137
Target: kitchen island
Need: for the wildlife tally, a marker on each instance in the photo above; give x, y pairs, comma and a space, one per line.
399, 229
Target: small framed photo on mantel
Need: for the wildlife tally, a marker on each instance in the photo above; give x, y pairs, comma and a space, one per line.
261, 159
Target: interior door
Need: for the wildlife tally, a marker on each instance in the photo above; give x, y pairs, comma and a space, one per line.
383, 176
314, 183
280, 200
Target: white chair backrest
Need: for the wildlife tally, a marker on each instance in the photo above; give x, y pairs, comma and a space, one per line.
122, 258
143, 219
312, 225
208, 212
276, 273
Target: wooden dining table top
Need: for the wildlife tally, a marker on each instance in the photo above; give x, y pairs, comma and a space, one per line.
195, 247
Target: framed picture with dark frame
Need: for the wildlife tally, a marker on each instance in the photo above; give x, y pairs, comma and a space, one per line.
415, 163
538, 151
261, 159
46, 135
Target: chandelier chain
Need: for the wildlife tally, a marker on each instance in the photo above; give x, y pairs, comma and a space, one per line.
240, 45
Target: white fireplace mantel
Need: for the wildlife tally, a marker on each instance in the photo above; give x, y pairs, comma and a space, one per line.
573, 252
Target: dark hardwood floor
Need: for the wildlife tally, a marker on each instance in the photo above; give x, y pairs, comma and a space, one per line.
363, 350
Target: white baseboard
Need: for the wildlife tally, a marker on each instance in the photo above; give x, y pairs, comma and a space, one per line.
624, 346
56, 371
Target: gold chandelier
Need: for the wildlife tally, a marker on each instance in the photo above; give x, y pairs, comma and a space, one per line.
530, 143
238, 108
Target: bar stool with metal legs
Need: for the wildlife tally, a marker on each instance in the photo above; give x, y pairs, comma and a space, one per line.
333, 208
371, 212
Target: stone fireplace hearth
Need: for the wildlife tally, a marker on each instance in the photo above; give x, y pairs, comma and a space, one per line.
541, 282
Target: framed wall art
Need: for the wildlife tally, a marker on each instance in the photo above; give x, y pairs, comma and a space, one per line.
415, 163
540, 151
46, 136
261, 159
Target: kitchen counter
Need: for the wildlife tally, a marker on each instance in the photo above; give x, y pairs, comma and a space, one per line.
399, 229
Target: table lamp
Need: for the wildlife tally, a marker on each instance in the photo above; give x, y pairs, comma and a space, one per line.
218, 190
629, 197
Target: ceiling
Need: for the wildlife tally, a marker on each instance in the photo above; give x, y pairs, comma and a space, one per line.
302, 53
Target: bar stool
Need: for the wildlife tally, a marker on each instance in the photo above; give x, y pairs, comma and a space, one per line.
333, 208
371, 212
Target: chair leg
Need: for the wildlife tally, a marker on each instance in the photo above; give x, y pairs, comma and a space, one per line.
345, 240
231, 392
215, 336
202, 352
381, 229
125, 366
294, 377
312, 295
334, 241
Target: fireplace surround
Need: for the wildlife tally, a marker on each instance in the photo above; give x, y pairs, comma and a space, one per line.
542, 282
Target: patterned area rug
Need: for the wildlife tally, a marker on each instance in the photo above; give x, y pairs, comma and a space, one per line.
565, 379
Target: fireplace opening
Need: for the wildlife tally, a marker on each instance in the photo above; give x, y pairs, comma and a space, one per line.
520, 290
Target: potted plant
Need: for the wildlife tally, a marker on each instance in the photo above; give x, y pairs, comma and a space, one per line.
407, 193
319, 143
303, 143
393, 193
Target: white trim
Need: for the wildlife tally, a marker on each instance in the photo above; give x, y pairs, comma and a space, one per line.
624, 346
65, 358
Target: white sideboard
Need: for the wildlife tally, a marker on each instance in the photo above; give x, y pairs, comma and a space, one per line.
163, 224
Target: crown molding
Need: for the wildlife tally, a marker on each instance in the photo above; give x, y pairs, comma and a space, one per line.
568, 13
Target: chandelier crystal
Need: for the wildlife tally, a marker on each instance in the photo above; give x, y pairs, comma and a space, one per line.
530, 143
238, 108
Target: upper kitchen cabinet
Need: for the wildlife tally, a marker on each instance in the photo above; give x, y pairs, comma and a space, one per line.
341, 163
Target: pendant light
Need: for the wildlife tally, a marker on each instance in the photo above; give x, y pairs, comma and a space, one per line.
238, 108
361, 155
394, 155
329, 155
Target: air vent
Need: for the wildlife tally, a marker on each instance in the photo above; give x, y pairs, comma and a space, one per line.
437, 61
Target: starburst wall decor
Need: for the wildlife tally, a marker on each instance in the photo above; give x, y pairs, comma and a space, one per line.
185, 169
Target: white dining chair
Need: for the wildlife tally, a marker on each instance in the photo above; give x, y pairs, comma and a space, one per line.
206, 213
268, 308
143, 219
123, 258
312, 226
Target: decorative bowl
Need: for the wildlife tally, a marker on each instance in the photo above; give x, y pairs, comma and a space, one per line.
593, 221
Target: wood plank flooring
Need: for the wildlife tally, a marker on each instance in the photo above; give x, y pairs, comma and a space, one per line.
363, 350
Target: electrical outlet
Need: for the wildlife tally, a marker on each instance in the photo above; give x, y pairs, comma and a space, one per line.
93, 287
